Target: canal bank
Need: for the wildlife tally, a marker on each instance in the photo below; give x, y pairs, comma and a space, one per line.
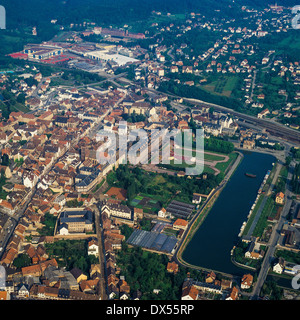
211, 244
203, 211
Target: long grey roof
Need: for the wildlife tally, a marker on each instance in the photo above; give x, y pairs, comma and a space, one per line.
152, 240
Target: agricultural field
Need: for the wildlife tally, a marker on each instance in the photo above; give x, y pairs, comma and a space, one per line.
147, 203
224, 85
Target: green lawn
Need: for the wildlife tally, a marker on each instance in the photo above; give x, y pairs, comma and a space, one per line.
223, 166
290, 42
249, 223
210, 157
284, 172
262, 222
222, 86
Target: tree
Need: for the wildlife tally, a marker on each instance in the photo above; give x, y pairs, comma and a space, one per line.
288, 160
21, 98
2, 177
22, 260
81, 264
126, 231
5, 160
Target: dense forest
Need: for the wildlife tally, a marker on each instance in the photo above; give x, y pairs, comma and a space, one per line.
39, 12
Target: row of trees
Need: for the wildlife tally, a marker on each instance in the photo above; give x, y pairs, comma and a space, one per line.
295, 153
3, 193
295, 183
218, 145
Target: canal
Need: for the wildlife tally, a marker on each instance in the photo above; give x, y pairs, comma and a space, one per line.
211, 245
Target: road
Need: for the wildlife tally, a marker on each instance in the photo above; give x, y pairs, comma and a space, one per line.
253, 84
275, 129
101, 253
170, 54
52, 94
154, 168
20, 212
269, 256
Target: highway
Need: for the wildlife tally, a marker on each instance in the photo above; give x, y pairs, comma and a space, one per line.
109, 78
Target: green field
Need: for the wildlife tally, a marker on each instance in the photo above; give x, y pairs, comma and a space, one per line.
148, 203
224, 85
291, 41
212, 157
223, 166
262, 222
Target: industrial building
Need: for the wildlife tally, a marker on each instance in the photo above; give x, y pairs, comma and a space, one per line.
41, 52
153, 241
106, 56
179, 209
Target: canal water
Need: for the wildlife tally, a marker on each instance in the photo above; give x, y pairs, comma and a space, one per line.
211, 245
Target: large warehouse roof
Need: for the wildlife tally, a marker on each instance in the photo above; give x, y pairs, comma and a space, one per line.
152, 241
180, 209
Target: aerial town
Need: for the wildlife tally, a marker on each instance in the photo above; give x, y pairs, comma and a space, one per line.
72, 228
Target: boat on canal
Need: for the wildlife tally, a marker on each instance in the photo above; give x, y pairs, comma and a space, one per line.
250, 175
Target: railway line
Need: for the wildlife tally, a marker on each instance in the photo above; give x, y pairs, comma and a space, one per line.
275, 129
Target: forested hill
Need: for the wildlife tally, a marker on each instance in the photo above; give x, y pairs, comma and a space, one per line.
39, 12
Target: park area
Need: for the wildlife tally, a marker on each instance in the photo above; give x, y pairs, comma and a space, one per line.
151, 191
214, 163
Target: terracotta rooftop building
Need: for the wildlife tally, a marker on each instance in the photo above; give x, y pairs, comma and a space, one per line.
172, 267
